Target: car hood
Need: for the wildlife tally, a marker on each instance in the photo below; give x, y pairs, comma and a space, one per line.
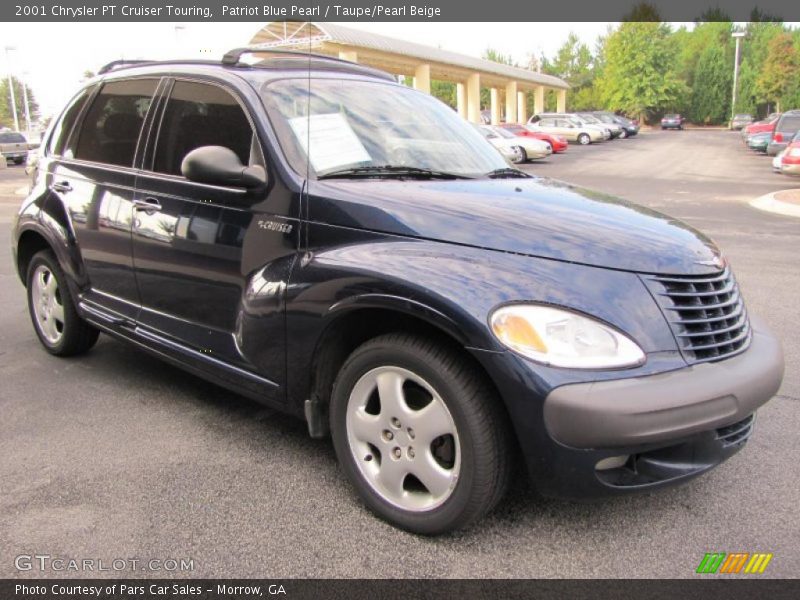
536, 217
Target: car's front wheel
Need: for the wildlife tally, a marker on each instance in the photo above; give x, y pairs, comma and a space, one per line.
521, 157
623, 134
55, 318
420, 434
584, 139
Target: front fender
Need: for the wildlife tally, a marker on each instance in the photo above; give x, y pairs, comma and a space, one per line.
456, 288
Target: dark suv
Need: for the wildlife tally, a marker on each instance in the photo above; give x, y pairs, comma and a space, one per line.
311, 234
787, 125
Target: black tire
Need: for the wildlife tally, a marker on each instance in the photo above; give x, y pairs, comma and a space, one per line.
584, 139
486, 452
77, 336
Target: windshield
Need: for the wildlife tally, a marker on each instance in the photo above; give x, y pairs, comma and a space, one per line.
590, 119
503, 133
334, 124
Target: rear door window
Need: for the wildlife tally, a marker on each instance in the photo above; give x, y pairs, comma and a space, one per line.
110, 131
200, 114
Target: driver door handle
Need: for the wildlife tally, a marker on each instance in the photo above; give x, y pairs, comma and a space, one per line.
148, 205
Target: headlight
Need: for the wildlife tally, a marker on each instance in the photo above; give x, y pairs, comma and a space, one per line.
563, 338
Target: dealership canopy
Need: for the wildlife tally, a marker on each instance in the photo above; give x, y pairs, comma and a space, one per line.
424, 63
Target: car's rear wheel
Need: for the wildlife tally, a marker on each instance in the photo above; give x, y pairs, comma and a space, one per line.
420, 435
55, 319
523, 156
584, 139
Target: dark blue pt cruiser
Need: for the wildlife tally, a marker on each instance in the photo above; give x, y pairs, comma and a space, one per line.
311, 234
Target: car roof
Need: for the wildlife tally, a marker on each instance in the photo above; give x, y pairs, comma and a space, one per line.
275, 64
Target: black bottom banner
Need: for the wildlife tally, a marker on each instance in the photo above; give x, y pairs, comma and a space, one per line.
380, 589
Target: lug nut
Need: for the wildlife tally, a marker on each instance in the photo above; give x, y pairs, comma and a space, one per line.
387, 435
397, 452
410, 452
396, 422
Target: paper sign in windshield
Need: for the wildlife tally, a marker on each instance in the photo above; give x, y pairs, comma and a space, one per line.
329, 141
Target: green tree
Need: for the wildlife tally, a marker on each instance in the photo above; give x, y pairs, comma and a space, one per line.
639, 74
6, 113
711, 93
778, 78
574, 64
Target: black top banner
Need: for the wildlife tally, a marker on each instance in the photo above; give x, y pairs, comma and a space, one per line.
419, 10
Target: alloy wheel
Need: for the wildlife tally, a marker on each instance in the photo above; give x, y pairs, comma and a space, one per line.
48, 308
403, 439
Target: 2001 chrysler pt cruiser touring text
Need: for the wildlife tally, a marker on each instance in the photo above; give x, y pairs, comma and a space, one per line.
311, 234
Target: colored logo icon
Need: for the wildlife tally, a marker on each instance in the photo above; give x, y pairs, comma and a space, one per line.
736, 563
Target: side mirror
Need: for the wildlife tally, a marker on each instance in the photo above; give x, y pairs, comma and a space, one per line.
217, 165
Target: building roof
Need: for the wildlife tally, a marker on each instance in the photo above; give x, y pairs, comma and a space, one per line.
282, 34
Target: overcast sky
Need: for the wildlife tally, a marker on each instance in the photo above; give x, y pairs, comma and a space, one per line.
52, 57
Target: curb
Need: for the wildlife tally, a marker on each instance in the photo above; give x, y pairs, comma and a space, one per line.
769, 203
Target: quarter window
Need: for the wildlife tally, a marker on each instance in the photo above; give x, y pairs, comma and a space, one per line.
199, 114
64, 126
110, 131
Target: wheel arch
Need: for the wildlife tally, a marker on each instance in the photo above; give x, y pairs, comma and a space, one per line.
29, 243
354, 321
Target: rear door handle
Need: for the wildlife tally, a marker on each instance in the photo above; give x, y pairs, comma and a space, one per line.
148, 205
61, 186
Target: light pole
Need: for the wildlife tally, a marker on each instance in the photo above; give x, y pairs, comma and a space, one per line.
26, 105
737, 35
11, 88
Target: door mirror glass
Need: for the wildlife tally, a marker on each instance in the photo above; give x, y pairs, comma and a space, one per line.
217, 165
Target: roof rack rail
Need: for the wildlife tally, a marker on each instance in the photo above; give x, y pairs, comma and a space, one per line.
233, 57
119, 63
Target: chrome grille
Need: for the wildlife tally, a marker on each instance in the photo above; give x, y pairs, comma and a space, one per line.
706, 314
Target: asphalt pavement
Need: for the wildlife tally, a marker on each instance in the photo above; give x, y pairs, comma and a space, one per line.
116, 455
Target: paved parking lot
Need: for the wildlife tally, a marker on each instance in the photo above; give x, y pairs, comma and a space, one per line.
117, 455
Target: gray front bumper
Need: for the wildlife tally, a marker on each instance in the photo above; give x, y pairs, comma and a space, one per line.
643, 410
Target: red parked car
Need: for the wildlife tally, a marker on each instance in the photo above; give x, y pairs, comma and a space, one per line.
557, 143
767, 124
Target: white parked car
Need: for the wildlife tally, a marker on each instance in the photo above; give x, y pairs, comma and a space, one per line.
614, 129
567, 127
532, 149
776, 162
511, 151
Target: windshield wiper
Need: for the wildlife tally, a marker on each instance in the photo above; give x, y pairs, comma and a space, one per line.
391, 171
506, 172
